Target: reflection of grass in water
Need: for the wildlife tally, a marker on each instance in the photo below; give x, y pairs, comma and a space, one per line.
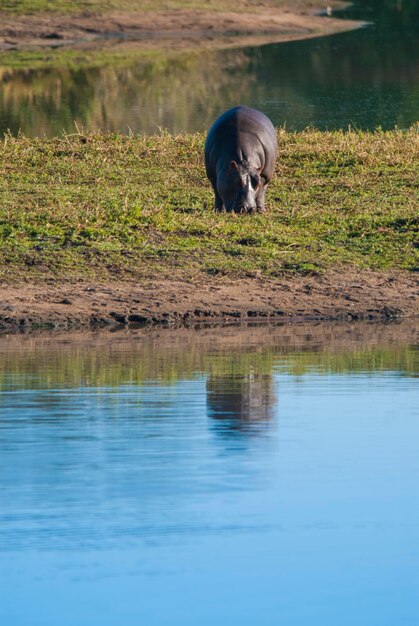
401, 359
74, 365
115, 89
76, 59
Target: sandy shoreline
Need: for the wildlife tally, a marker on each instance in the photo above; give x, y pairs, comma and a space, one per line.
181, 28
347, 294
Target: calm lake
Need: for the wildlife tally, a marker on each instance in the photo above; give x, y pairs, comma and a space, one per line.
365, 79
256, 475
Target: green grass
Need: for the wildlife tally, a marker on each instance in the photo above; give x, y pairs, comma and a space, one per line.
77, 59
102, 6
110, 206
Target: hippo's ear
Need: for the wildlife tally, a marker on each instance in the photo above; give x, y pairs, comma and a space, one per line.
234, 166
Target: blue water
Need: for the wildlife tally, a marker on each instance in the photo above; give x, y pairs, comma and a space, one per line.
241, 494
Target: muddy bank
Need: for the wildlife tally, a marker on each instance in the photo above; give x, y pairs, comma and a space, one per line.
335, 295
178, 28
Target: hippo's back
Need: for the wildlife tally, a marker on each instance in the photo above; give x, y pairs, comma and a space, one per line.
242, 119
240, 132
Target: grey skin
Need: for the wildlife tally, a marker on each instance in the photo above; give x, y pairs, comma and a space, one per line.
240, 155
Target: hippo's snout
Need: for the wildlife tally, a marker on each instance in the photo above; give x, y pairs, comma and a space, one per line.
245, 208
242, 203
245, 197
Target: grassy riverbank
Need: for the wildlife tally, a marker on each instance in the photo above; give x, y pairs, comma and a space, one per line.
102, 6
113, 206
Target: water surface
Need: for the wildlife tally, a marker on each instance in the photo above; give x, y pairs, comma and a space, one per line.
237, 476
365, 78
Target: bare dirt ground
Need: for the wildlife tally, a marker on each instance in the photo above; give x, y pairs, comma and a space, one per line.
344, 294
178, 28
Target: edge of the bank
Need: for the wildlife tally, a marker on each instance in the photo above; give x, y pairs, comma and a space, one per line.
347, 294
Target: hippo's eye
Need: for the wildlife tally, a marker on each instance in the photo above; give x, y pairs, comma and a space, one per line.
255, 178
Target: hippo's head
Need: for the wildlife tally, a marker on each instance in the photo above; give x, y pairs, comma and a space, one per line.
238, 187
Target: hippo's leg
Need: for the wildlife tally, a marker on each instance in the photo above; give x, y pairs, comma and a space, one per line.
260, 199
218, 203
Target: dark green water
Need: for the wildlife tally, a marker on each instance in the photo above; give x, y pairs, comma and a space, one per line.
365, 78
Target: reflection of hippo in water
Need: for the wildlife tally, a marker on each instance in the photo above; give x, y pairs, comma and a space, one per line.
240, 155
239, 401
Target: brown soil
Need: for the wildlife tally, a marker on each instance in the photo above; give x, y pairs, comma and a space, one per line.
175, 28
346, 294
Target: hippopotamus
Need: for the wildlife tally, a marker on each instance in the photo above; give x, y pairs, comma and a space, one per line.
240, 155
